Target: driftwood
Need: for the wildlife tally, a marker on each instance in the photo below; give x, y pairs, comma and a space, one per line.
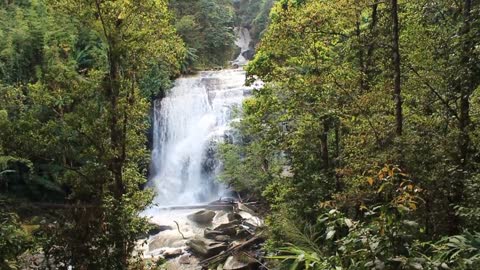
233, 249
205, 206
228, 206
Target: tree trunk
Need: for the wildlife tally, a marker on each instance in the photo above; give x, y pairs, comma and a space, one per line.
324, 145
396, 69
337, 163
361, 58
466, 86
369, 62
116, 163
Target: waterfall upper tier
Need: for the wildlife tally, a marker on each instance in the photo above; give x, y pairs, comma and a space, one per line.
243, 42
189, 122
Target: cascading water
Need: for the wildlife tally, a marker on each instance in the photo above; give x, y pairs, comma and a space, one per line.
243, 42
189, 123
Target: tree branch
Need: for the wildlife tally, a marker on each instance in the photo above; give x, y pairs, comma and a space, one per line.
429, 86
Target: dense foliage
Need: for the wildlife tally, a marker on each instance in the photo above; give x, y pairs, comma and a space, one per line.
207, 27
76, 78
363, 141
366, 134
253, 15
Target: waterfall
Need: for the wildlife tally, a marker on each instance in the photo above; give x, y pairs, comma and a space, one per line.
243, 42
189, 123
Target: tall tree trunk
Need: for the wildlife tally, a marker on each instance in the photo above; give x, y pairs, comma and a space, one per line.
466, 86
360, 49
116, 133
324, 145
369, 62
396, 69
337, 163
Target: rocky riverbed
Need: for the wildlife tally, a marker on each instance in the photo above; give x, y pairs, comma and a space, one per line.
224, 234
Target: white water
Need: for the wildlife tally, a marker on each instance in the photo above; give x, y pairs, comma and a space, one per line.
189, 122
243, 42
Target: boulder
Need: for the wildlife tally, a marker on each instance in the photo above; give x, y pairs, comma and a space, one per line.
185, 259
202, 217
172, 253
244, 233
210, 234
245, 208
228, 225
249, 54
219, 236
233, 216
206, 248
239, 262
229, 229
155, 229
222, 238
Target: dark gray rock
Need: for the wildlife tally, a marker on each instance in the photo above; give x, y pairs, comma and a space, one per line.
211, 234
155, 229
228, 229
202, 217
249, 54
233, 217
206, 248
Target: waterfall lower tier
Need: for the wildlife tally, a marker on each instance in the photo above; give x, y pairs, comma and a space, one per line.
189, 122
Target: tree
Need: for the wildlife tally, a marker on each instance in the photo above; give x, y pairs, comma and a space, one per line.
397, 70
133, 33
206, 26
88, 114
325, 119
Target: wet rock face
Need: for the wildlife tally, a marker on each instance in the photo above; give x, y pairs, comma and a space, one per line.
202, 217
209, 160
249, 54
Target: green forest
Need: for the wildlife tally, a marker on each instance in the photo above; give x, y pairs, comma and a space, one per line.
361, 148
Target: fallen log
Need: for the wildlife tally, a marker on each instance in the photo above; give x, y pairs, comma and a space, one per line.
222, 256
227, 207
